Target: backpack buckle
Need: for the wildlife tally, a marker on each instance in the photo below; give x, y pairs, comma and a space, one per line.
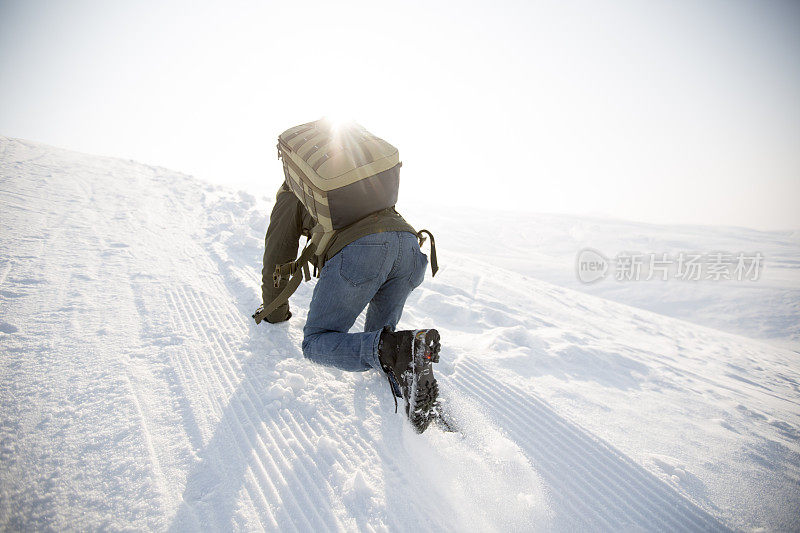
282, 273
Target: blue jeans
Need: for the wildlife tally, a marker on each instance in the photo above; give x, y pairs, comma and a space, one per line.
379, 270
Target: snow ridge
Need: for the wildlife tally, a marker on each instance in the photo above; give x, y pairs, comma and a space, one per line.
603, 488
137, 393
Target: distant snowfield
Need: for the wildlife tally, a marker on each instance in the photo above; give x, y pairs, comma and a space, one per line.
546, 246
137, 393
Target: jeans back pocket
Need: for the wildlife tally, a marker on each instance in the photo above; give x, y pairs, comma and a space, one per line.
362, 263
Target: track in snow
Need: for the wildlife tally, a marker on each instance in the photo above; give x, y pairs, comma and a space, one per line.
592, 485
137, 392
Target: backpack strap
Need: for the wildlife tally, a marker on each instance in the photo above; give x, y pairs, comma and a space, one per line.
297, 269
434, 262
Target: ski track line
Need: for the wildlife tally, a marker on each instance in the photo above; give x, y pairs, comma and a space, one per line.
310, 450
364, 451
250, 478
251, 484
594, 473
344, 436
24, 196
257, 444
150, 316
571, 433
249, 396
158, 471
603, 478
360, 450
656, 496
226, 318
15, 206
191, 377
236, 427
608, 506
178, 378
357, 448
280, 443
579, 507
239, 281
367, 451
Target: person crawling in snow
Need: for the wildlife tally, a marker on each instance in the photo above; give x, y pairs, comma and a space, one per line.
374, 263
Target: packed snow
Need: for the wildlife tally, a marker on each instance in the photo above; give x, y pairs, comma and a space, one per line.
137, 392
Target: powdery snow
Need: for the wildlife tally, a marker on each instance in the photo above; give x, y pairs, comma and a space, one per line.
137, 393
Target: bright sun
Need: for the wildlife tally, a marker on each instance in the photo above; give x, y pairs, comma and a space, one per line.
338, 121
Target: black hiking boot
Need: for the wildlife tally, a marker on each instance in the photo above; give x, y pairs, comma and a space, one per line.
407, 357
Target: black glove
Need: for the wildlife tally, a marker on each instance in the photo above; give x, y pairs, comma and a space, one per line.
288, 316
281, 314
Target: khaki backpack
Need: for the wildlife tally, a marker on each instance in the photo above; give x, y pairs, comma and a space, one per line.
341, 173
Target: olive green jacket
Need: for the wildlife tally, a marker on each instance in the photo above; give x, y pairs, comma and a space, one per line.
290, 220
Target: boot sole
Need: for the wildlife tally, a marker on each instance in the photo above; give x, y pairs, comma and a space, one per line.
423, 389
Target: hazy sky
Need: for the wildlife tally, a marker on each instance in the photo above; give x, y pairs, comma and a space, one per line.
679, 111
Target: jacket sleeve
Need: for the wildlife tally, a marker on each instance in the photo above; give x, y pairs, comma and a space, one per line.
286, 226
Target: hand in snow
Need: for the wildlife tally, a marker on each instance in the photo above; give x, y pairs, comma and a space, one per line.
271, 317
281, 314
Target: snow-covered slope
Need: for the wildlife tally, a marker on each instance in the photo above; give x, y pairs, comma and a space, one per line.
137, 393
546, 246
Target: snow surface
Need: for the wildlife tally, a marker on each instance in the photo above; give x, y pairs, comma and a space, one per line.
137, 393
545, 246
